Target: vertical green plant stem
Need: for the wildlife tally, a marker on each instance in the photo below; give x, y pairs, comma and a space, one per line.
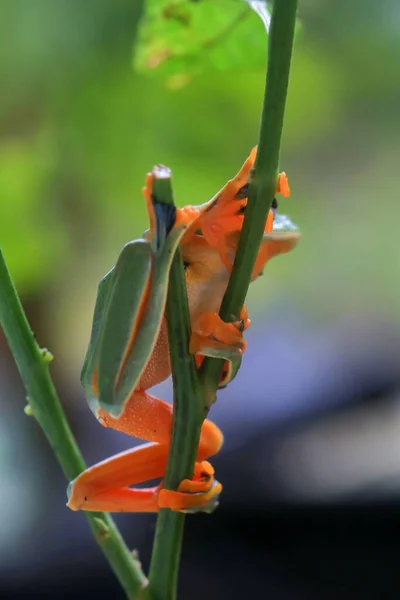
187, 419
189, 393
44, 405
264, 177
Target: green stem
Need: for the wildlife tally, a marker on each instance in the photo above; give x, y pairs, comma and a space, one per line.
189, 392
264, 177
188, 416
44, 405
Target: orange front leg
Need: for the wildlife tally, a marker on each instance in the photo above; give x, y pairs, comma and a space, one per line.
224, 213
212, 332
211, 336
105, 486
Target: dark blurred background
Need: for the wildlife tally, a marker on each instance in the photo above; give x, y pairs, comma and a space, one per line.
311, 461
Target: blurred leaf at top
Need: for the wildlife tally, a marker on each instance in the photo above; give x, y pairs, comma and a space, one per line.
180, 38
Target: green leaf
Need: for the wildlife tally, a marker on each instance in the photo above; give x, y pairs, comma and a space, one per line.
178, 39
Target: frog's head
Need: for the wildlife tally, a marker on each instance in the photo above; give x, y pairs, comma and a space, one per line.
280, 236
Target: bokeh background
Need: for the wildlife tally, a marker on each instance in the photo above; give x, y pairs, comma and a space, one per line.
311, 461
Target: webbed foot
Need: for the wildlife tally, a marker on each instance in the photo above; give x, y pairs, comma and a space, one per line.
215, 337
199, 494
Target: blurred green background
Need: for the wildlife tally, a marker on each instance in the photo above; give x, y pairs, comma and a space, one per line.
79, 129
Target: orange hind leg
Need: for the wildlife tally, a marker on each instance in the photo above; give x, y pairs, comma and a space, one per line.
105, 486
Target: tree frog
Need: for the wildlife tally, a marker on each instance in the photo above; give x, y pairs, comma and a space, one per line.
128, 351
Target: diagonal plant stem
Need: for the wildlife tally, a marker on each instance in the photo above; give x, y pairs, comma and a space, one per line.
264, 177
188, 416
44, 405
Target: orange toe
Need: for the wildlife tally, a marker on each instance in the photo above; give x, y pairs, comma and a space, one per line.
283, 185
211, 325
212, 333
203, 470
269, 224
189, 486
244, 321
182, 502
202, 481
147, 192
187, 215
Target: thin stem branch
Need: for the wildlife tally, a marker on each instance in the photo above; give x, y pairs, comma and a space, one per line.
44, 405
264, 178
187, 420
